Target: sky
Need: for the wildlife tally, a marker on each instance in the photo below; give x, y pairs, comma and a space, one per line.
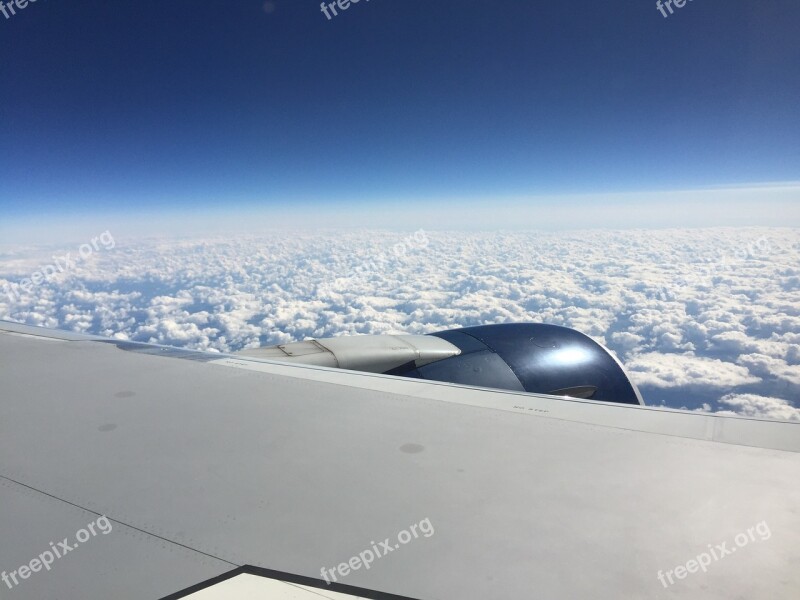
398, 111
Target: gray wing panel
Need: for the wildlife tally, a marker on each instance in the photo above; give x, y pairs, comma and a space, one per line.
115, 561
287, 472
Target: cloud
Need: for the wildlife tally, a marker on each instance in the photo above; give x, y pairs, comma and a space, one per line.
686, 370
769, 366
760, 407
694, 314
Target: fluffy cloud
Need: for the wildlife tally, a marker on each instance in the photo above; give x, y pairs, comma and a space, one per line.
761, 407
686, 370
696, 315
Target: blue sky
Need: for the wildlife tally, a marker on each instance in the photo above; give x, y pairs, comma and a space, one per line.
140, 107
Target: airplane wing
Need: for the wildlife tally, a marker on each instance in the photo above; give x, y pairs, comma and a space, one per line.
133, 471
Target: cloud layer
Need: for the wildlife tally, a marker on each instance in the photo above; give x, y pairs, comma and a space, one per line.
702, 318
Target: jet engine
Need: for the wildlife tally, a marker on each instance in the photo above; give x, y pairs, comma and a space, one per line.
521, 357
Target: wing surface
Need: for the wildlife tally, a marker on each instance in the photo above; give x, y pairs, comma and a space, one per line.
191, 467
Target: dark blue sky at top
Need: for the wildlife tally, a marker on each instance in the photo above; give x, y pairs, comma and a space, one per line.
148, 103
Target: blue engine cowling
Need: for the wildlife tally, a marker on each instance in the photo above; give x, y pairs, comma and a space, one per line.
530, 357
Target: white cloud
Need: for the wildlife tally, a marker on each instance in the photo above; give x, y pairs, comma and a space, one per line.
686, 370
692, 313
762, 407
769, 366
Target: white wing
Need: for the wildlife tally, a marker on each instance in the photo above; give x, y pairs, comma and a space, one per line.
206, 465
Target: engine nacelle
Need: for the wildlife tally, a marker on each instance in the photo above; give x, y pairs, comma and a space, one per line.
522, 357
531, 357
